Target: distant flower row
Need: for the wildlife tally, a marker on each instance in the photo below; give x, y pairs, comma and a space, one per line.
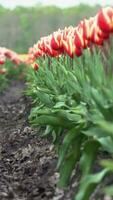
9, 54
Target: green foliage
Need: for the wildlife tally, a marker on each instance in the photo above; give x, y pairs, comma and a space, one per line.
73, 98
15, 71
89, 183
3, 82
74, 103
12, 72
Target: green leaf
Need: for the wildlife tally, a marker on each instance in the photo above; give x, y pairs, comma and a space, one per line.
108, 164
106, 126
68, 139
93, 132
107, 144
101, 104
50, 120
102, 136
60, 105
88, 184
96, 132
71, 136
66, 115
89, 153
45, 98
47, 131
69, 162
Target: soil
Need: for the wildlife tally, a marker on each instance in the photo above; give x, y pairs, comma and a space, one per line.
27, 162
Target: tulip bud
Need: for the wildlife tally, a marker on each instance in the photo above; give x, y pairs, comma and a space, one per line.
105, 19
35, 66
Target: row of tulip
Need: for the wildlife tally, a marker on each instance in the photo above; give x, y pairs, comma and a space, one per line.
74, 104
15, 58
73, 40
70, 41
8, 54
11, 55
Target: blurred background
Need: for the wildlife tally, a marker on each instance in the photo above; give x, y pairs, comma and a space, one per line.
23, 22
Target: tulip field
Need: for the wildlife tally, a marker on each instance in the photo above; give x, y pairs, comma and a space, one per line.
67, 104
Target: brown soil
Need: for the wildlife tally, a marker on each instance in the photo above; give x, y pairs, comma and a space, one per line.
27, 162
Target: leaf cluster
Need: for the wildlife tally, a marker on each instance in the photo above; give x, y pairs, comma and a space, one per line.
73, 102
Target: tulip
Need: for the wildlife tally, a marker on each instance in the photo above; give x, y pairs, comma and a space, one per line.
105, 19
70, 48
35, 66
56, 40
